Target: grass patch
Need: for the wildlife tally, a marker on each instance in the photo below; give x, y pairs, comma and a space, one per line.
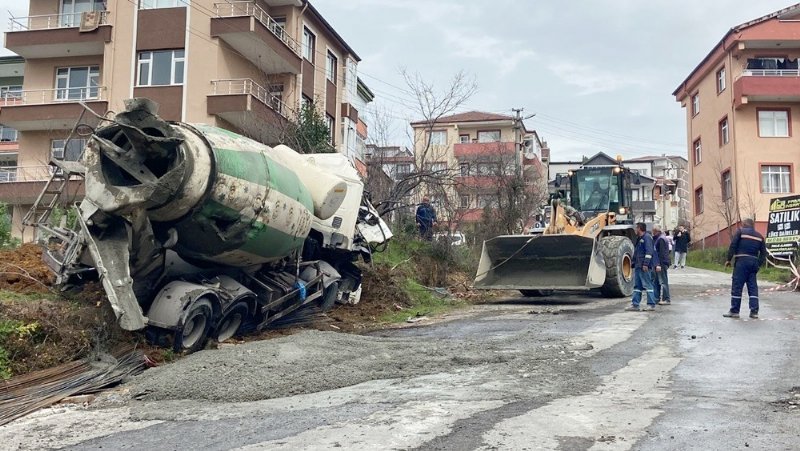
8, 295
714, 259
424, 302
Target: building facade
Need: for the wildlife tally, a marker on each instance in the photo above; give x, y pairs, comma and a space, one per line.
742, 105
246, 66
475, 152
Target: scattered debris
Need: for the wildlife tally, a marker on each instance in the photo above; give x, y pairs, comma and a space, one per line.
416, 319
25, 394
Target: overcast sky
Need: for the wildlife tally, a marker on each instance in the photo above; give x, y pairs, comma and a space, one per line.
598, 73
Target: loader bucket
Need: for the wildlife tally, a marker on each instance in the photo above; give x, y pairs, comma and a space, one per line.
540, 262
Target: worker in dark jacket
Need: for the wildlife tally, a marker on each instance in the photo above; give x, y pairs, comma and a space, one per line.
426, 219
750, 252
660, 279
643, 262
682, 240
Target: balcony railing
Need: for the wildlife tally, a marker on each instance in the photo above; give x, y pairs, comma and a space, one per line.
771, 73
25, 173
249, 8
52, 21
250, 87
45, 96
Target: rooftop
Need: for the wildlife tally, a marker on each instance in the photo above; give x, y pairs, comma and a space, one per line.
469, 116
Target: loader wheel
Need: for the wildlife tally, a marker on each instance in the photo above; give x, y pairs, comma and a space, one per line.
194, 332
536, 293
329, 296
232, 321
618, 254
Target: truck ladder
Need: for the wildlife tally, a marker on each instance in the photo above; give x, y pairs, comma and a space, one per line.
48, 198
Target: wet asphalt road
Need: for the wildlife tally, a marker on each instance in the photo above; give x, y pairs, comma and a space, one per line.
573, 373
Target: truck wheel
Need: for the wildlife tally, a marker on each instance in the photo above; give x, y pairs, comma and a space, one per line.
231, 322
329, 296
194, 332
536, 293
618, 254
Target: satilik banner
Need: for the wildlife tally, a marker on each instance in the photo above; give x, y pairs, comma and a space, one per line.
783, 230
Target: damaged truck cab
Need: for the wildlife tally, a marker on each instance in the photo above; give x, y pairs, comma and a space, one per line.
198, 232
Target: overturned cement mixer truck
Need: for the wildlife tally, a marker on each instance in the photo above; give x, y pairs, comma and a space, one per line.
196, 232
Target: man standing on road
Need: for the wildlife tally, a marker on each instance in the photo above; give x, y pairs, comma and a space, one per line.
660, 279
682, 240
642, 263
750, 252
426, 218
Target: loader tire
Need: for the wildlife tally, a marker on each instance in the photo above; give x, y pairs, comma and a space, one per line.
329, 296
536, 293
618, 254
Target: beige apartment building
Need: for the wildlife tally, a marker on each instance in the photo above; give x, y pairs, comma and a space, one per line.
742, 105
472, 151
246, 66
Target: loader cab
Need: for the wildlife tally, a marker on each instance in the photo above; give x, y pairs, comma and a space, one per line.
600, 189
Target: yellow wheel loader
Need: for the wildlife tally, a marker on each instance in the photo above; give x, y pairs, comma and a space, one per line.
588, 243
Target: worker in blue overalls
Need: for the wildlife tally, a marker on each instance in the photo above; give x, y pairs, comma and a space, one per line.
750, 252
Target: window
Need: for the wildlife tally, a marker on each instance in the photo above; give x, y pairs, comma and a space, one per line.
772, 63
153, 4
403, 169
309, 44
698, 151
331, 67
60, 149
463, 201
8, 134
438, 138
306, 102
439, 166
724, 134
727, 185
463, 139
698, 200
71, 10
635, 197
695, 104
776, 179
11, 92
77, 83
773, 124
330, 122
720, 80
487, 200
491, 136
161, 68
464, 169
487, 169
647, 193
276, 97
278, 26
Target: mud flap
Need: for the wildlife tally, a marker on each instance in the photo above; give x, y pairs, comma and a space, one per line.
540, 262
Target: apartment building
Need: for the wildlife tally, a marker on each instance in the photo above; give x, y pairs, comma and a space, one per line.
474, 150
742, 105
246, 66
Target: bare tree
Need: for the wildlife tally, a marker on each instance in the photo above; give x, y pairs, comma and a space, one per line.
726, 203
430, 104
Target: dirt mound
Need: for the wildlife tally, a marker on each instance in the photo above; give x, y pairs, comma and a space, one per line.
381, 293
41, 333
23, 271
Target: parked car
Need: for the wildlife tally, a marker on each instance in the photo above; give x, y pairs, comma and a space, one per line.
456, 238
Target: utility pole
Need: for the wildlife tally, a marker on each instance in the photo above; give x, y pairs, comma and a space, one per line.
517, 139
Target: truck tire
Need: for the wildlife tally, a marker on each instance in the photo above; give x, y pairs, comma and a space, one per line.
536, 293
193, 333
329, 296
232, 321
618, 254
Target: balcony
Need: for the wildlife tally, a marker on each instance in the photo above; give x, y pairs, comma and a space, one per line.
767, 85
49, 109
247, 105
257, 36
56, 35
21, 185
492, 149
